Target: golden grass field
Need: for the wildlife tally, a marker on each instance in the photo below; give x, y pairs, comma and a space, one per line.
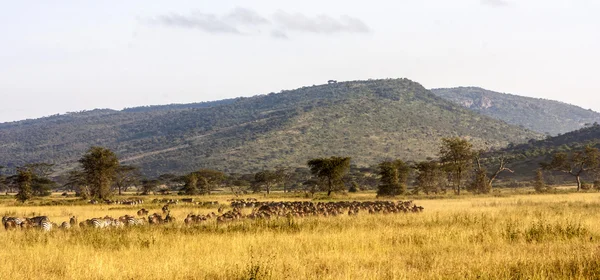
516, 236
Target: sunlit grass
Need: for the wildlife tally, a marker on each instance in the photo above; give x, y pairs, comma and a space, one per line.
509, 237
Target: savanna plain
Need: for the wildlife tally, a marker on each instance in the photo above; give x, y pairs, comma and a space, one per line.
507, 235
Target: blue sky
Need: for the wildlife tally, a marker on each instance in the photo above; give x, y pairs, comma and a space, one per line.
61, 56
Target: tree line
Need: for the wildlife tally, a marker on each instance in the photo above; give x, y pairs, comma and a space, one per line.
459, 167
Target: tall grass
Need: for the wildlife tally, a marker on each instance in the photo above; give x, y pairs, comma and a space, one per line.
514, 237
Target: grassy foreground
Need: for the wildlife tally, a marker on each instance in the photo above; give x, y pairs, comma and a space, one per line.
514, 237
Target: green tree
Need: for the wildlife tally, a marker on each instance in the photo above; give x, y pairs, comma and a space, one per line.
126, 176
99, 166
206, 181
76, 182
149, 185
430, 177
575, 165
393, 178
24, 180
41, 185
483, 182
191, 184
456, 155
538, 182
266, 179
330, 171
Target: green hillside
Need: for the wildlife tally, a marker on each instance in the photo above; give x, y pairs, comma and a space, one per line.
526, 158
541, 115
367, 120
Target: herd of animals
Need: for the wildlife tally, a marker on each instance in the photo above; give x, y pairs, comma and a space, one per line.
259, 210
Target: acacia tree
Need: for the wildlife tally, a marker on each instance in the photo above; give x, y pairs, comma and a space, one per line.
76, 182
149, 185
41, 184
24, 180
575, 165
538, 182
99, 167
393, 178
203, 181
456, 155
126, 176
190, 186
482, 182
430, 177
331, 171
266, 179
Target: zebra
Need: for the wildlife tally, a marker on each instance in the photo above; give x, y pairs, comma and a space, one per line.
73, 221
45, 225
155, 219
97, 222
42, 222
131, 221
169, 218
65, 225
11, 222
142, 212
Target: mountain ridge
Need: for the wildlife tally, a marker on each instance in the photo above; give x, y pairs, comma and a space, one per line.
367, 120
542, 115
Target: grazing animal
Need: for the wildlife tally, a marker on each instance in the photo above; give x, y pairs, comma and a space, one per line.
73, 221
142, 212
97, 222
165, 209
155, 219
65, 225
169, 218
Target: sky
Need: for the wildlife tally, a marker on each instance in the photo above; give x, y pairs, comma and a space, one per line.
67, 56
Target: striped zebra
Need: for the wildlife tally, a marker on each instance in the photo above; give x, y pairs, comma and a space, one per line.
42, 222
65, 225
131, 221
11, 222
97, 222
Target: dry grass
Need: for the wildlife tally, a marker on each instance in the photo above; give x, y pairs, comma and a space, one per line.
514, 237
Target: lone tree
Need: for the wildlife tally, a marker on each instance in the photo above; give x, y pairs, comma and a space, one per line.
576, 164
331, 171
125, 177
393, 178
266, 179
430, 177
538, 182
203, 181
149, 185
456, 155
76, 182
99, 167
24, 180
41, 184
190, 186
482, 182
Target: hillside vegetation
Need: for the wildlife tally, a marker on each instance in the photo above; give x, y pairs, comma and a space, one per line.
526, 158
541, 115
366, 120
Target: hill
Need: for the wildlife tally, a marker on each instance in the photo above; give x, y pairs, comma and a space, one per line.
541, 115
367, 120
526, 158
